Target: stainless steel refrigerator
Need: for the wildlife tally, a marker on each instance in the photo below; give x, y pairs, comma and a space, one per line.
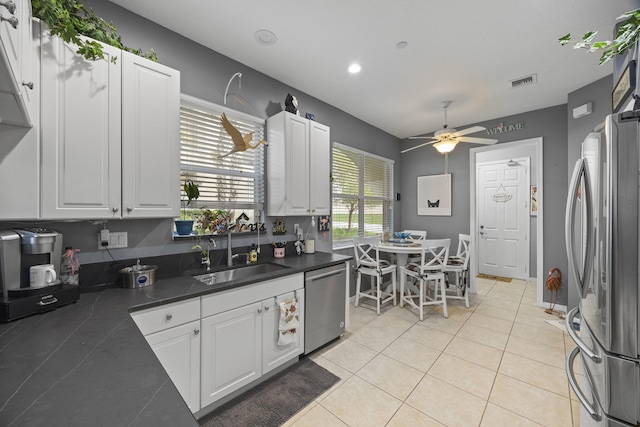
602, 225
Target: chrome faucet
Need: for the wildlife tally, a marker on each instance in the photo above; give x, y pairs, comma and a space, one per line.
231, 256
207, 261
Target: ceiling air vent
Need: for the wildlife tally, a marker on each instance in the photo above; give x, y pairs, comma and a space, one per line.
524, 81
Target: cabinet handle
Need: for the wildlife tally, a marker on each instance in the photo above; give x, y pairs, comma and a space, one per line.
196, 331
115, 209
10, 5
169, 316
13, 21
259, 310
28, 84
129, 208
266, 308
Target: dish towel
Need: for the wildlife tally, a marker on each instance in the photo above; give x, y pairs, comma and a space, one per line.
289, 321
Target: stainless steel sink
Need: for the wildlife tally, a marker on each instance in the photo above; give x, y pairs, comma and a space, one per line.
244, 272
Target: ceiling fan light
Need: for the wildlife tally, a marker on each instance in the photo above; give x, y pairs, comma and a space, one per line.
445, 146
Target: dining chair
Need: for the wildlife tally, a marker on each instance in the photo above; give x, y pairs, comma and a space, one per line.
458, 264
428, 272
415, 235
368, 262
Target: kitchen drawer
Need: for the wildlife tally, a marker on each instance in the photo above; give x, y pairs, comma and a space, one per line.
167, 316
233, 298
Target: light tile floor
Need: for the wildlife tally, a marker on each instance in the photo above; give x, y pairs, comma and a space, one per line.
497, 363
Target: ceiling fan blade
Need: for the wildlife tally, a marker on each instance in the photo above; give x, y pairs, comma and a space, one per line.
474, 140
418, 146
422, 137
467, 131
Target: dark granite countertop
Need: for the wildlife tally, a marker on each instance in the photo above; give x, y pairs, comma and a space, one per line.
87, 364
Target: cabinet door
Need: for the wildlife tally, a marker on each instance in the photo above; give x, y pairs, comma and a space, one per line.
231, 351
11, 45
297, 165
15, 55
20, 154
81, 126
150, 138
319, 169
274, 354
178, 349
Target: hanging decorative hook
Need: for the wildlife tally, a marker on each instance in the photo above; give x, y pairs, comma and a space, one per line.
228, 84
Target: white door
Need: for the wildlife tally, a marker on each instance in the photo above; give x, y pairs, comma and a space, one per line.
503, 219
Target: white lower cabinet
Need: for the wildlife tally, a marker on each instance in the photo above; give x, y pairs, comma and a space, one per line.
239, 340
178, 349
216, 344
173, 332
274, 354
231, 351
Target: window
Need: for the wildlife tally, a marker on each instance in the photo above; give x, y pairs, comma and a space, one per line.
234, 182
362, 194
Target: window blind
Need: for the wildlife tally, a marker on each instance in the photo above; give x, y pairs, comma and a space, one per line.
235, 181
362, 194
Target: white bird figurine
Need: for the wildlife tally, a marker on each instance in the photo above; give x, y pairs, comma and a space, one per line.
241, 142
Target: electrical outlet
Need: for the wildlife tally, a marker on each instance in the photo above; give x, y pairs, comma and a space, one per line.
116, 241
104, 236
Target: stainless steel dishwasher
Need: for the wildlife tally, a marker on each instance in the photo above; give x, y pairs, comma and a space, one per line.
324, 310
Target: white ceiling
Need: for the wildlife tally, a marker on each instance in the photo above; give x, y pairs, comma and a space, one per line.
459, 50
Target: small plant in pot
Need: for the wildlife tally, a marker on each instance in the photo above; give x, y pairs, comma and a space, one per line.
184, 225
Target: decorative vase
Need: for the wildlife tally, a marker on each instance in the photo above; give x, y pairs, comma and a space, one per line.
184, 227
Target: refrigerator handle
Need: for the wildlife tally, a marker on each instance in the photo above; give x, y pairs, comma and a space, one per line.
576, 388
582, 280
574, 336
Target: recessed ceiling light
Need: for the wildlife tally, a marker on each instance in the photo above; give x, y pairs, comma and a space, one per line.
354, 68
265, 37
402, 45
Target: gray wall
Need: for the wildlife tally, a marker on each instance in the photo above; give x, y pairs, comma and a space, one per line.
548, 123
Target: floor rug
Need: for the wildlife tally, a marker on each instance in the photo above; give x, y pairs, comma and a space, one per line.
490, 277
274, 401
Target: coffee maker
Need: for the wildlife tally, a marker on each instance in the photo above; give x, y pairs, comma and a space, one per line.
20, 249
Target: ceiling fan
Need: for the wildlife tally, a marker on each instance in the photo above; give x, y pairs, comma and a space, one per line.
445, 140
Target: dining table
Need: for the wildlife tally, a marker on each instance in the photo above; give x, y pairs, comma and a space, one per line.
401, 248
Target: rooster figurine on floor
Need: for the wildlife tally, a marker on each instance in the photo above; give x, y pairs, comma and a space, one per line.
554, 284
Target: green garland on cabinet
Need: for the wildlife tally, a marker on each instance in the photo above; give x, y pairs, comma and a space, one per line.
69, 19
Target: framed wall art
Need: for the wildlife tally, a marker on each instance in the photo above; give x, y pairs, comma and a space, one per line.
434, 195
625, 86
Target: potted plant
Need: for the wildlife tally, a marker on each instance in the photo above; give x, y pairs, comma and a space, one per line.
184, 225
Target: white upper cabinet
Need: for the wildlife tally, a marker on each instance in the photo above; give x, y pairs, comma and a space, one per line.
150, 138
16, 80
81, 132
298, 165
110, 143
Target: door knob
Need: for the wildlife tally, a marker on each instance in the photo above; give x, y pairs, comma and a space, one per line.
196, 331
